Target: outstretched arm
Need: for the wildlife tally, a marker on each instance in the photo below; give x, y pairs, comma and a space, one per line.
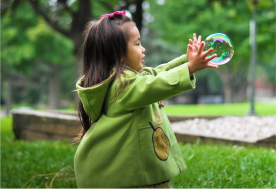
167, 66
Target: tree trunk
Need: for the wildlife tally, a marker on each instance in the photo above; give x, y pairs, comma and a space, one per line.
227, 92
54, 89
234, 84
239, 87
227, 79
138, 15
8, 101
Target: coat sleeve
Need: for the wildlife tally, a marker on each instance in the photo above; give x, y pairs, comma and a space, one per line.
143, 90
170, 65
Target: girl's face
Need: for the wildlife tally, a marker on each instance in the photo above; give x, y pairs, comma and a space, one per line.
135, 51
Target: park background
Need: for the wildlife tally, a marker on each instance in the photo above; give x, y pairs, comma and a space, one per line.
40, 63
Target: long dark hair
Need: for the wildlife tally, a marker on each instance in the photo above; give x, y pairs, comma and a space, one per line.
104, 48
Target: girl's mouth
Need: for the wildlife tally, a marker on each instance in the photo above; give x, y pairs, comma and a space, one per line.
142, 59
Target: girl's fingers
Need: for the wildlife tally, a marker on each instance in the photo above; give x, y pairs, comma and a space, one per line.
190, 47
190, 42
196, 47
209, 65
195, 40
206, 53
200, 49
199, 39
211, 57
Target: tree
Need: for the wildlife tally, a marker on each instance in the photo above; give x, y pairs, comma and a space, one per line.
178, 20
266, 41
40, 44
79, 12
54, 50
13, 59
27, 41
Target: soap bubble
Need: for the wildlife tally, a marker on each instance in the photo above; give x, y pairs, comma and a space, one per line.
222, 47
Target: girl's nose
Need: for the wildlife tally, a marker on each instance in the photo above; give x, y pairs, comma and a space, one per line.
143, 50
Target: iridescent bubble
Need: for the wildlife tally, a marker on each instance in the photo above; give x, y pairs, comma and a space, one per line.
222, 47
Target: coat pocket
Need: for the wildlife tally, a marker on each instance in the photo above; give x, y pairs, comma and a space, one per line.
157, 167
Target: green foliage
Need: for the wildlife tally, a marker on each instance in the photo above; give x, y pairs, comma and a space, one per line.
178, 20
16, 49
51, 47
157, 50
205, 19
30, 47
266, 41
27, 38
100, 7
208, 82
238, 109
187, 17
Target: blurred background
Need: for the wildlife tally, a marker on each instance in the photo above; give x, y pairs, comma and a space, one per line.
41, 40
40, 63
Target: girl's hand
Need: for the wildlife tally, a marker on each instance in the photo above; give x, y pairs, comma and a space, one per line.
198, 60
195, 43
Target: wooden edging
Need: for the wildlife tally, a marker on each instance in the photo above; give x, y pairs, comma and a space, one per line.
175, 118
60, 125
39, 125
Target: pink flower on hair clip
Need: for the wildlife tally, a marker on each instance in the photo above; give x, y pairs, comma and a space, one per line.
123, 12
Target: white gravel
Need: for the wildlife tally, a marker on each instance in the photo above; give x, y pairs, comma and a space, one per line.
246, 128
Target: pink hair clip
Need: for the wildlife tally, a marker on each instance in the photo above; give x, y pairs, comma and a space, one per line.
123, 12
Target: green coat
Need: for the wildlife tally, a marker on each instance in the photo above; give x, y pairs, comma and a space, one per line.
131, 143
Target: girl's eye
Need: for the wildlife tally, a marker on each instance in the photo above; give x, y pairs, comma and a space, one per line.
138, 44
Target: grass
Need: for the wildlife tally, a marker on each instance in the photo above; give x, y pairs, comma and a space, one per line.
6, 127
21, 160
220, 166
238, 109
235, 109
209, 166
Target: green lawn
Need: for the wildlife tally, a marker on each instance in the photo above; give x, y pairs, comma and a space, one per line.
21, 160
6, 126
208, 165
220, 166
238, 109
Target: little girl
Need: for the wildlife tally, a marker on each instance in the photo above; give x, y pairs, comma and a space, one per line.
127, 140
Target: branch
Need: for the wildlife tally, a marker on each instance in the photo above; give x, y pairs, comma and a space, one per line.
51, 22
